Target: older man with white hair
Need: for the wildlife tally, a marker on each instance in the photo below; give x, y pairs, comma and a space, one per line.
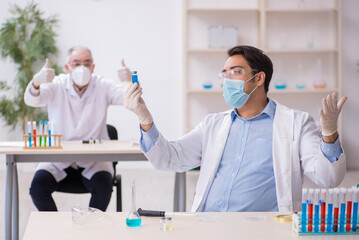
77, 102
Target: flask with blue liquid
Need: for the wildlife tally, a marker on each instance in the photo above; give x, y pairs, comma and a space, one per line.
133, 218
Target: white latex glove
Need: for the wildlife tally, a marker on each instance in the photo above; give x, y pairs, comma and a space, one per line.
330, 112
45, 75
124, 73
134, 102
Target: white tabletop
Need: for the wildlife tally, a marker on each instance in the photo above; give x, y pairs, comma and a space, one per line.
53, 225
75, 147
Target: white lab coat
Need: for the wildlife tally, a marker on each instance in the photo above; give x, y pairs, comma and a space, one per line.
77, 118
296, 151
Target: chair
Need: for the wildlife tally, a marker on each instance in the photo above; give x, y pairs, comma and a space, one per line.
77, 186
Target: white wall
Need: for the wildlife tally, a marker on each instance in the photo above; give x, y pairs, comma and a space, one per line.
146, 33
351, 81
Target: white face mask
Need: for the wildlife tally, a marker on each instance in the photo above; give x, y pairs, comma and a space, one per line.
81, 76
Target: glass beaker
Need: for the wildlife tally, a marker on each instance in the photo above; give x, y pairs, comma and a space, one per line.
319, 81
300, 83
207, 84
133, 218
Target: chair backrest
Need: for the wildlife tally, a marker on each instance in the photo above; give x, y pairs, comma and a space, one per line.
112, 132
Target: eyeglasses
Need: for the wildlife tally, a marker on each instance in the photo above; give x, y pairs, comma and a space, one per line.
77, 64
234, 73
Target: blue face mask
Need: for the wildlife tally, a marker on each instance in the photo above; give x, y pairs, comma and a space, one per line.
233, 92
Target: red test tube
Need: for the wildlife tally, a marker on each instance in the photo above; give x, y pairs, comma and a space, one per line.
349, 208
323, 209
34, 131
336, 209
310, 210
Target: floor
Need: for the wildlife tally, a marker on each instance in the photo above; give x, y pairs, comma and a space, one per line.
154, 190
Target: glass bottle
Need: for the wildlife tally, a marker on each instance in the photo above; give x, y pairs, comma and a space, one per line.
300, 83
166, 223
133, 218
319, 81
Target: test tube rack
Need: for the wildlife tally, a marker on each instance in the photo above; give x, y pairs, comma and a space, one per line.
298, 225
55, 139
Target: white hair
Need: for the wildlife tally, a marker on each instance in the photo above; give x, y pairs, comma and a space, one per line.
75, 48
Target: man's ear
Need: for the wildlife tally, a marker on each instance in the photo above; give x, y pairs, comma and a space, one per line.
261, 76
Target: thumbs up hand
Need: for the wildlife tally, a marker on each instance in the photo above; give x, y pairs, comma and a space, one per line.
124, 73
45, 75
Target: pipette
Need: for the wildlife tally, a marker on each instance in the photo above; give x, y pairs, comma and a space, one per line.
150, 213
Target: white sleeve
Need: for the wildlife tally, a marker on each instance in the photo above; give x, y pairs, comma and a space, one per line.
115, 91
179, 155
315, 165
41, 99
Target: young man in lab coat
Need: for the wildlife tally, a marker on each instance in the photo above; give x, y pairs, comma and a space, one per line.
77, 102
252, 157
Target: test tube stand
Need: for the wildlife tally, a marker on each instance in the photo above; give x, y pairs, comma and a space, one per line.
297, 227
56, 143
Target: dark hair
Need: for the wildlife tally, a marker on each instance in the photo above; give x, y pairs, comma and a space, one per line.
256, 59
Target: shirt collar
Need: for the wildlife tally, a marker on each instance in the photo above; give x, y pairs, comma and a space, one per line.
269, 110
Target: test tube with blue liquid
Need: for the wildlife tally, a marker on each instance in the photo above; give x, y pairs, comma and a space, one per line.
133, 218
316, 209
29, 130
49, 132
304, 209
134, 77
330, 209
355, 197
342, 198
45, 132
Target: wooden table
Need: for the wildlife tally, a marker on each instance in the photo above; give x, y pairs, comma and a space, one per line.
109, 151
247, 226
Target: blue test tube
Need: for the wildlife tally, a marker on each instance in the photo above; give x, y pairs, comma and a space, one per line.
355, 197
29, 130
316, 209
45, 132
134, 77
49, 132
342, 200
330, 209
304, 209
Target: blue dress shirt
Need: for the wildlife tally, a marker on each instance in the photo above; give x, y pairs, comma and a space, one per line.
245, 178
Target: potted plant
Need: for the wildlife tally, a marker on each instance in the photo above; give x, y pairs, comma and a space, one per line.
27, 38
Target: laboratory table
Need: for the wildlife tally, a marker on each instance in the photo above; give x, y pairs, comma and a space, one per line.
207, 226
108, 151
